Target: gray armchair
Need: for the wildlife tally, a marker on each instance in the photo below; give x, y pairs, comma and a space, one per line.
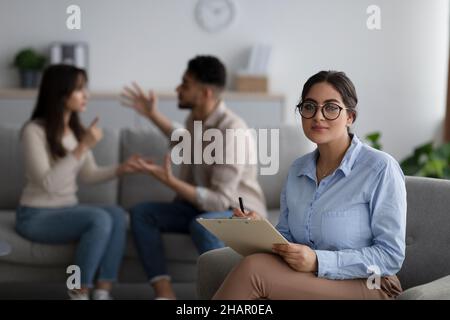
424, 274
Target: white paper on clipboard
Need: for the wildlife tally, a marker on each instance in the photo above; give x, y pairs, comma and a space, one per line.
245, 236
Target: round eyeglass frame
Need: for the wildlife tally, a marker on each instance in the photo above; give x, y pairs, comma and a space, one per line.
300, 107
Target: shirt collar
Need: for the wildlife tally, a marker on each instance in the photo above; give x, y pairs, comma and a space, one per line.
214, 117
309, 169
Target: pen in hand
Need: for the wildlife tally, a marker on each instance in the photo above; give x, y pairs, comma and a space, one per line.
240, 213
241, 204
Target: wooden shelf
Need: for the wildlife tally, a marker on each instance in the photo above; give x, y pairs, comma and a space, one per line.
14, 93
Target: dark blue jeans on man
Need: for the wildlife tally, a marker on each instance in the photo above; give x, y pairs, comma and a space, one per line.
150, 219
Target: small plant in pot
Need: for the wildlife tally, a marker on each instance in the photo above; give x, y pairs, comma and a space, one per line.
426, 160
30, 65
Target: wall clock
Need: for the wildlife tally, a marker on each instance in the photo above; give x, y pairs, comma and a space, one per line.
215, 15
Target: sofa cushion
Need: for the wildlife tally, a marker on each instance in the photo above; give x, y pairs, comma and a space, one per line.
11, 168
31, 253
178, 247
427, 231
135, 189
436, 290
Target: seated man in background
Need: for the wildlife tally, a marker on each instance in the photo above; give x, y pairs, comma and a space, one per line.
203, 190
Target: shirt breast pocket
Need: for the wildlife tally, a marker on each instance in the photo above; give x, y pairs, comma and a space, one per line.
341, 229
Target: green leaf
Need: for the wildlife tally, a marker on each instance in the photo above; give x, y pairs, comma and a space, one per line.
373, 140
443, 151
424, 149
434, 169
373, 137
410, 166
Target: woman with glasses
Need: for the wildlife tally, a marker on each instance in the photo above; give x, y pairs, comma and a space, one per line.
343, 211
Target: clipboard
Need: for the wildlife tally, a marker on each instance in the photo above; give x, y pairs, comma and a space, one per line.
245, 236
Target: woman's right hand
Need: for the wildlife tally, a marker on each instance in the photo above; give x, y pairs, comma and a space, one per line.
92, 135
237, 213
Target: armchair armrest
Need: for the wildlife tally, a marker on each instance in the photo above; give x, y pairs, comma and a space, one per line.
435, 290
213, 267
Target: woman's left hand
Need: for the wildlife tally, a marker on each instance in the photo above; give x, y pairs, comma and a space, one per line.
131, 165
299, 257
162, 173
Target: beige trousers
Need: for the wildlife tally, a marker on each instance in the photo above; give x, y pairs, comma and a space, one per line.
267, 276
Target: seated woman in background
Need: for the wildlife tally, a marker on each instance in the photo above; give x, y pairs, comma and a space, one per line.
343, 210
57, 149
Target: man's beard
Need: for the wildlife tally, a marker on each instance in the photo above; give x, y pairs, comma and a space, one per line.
185, 106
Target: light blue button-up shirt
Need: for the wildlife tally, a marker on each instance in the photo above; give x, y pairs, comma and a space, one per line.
355, 219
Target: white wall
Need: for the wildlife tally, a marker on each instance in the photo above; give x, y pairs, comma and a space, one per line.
400, 71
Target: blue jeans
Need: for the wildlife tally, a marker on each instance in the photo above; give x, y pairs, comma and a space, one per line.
100, 231
149, 220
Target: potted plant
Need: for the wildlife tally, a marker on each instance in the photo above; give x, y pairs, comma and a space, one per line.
30, 65
427, 160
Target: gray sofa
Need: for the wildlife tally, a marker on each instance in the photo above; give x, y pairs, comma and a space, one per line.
424, 274
33, 262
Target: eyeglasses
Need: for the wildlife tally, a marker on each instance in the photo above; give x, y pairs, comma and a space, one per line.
330, 111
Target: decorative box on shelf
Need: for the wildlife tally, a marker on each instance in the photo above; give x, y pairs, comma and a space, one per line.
252, 83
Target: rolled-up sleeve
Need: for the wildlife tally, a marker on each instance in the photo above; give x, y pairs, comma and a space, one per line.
388, 224
223, 189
